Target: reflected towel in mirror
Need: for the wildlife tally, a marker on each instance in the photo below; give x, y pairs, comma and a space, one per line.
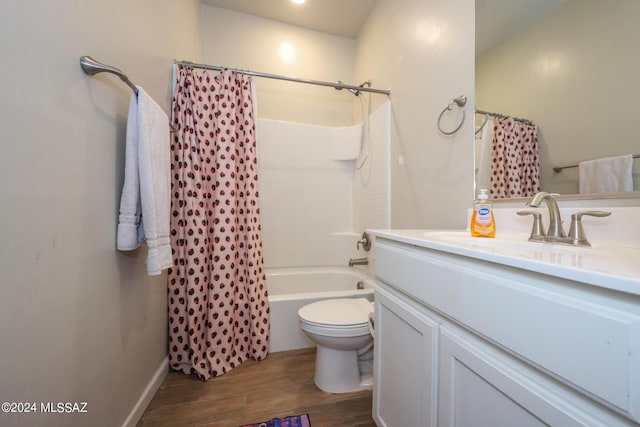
606, 175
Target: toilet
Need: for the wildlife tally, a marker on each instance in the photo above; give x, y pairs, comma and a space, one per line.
344, 355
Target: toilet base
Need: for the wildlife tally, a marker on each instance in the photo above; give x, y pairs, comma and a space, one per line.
337, 371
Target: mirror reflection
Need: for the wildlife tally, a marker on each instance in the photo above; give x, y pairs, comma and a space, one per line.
569, 69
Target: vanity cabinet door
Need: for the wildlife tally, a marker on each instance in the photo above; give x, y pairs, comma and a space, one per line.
404, 392
478, 388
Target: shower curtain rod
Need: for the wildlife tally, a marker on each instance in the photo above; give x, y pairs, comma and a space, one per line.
335, 85
498, 115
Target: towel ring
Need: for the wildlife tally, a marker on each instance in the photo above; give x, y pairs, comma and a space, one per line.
460, 101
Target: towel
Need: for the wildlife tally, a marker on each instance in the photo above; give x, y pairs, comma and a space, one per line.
130, 234
606, 175
145, 201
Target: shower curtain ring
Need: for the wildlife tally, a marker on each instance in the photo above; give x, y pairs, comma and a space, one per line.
460, 101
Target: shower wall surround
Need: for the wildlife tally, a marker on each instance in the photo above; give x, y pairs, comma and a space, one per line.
371, 183
314, 202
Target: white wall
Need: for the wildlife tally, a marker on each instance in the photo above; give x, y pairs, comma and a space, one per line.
257, 44
79, 322
424, 51
575, 74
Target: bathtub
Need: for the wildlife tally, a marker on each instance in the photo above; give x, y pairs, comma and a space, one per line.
291, 288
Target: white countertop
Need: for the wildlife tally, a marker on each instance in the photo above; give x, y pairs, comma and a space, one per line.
611, 265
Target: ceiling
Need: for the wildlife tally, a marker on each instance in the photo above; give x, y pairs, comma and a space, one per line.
495, 19
342, 18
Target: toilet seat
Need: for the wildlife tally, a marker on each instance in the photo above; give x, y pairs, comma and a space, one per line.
346, 317
338, 313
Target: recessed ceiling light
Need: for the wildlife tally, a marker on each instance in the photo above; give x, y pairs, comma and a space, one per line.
298, 1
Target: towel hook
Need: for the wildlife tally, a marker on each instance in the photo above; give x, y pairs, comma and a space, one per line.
460, 101
484, 122
92, 67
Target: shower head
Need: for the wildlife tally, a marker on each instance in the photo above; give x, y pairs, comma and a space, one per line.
352, 89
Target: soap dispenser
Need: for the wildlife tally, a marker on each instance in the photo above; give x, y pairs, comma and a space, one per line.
483, 223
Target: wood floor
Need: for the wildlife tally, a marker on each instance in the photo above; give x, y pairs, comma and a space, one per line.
278, 386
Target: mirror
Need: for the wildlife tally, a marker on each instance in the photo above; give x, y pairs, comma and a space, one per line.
571, 67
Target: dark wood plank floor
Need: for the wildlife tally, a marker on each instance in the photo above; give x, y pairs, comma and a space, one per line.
278, 386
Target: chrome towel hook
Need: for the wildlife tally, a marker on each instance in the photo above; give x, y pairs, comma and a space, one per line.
460, 101
92, 67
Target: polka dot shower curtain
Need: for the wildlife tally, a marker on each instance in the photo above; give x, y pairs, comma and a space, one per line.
515, 167
218, 308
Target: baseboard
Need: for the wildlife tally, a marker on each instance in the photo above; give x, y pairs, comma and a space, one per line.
148, 393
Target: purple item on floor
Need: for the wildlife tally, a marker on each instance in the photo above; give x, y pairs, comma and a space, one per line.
295, 421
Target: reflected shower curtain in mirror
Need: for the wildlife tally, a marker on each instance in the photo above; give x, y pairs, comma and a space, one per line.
218, 307
515, 160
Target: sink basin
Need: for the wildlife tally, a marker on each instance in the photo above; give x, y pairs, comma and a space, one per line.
462, 237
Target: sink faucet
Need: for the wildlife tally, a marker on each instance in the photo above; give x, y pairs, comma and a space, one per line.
556, 234
555, 222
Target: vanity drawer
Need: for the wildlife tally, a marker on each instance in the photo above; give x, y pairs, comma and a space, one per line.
584, 343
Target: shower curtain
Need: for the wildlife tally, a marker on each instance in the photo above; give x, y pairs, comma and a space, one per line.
218, 307
515, 165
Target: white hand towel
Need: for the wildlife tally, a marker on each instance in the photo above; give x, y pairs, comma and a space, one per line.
145, 202
155, 181
606, 175
130, 234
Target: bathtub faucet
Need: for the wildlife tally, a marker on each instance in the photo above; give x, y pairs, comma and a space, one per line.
358, 261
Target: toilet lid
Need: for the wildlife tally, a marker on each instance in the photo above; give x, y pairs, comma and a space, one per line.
337, 312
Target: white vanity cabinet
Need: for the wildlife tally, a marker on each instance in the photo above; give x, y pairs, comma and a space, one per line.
462, 341
404, 363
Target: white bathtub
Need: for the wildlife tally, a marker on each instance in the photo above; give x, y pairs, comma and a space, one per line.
291, 288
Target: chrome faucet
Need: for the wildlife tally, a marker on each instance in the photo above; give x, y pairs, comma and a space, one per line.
556, 233
358, 261
555, 230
